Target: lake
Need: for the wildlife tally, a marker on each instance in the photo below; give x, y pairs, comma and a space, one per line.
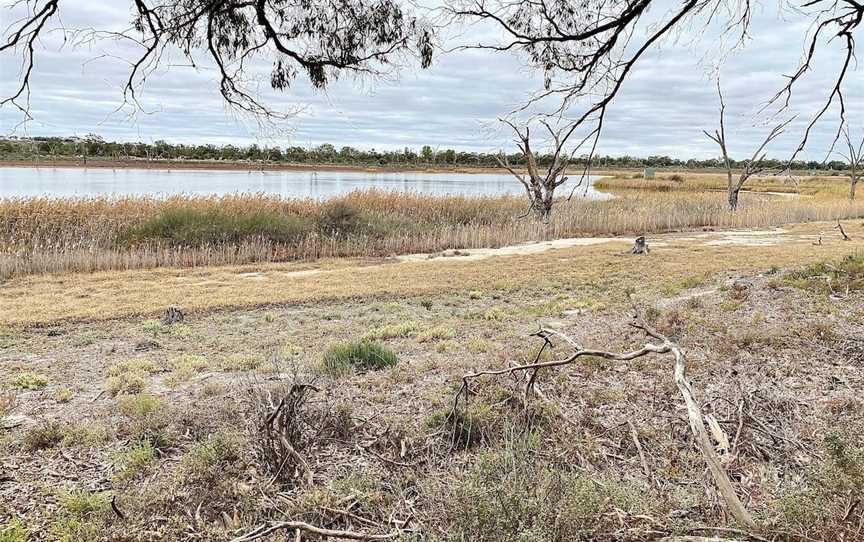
18, 182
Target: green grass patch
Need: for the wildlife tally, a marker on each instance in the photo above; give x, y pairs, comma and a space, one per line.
342, 358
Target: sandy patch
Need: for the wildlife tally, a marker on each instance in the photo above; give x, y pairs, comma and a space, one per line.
515, 250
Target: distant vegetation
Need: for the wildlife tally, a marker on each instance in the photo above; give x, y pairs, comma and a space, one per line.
94, 147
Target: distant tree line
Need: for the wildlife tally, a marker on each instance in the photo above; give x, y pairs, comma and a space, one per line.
95, 147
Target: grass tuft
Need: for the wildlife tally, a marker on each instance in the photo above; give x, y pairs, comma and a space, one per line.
342, 358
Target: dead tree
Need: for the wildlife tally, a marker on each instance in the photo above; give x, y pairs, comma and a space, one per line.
855, 157
588, 50
754, 166
660, 345
540, 183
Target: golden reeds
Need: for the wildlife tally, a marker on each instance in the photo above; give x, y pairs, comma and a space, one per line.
42, 235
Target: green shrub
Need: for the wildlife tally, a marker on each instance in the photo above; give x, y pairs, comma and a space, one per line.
339, 218
83, 517
196, 227
207, 459
135, 460
341, 358
13, 531
512, 493
241, 362
437, 333
185, 367
825, 277
127, 383
815, 506
31, 381
45, 436
148, 417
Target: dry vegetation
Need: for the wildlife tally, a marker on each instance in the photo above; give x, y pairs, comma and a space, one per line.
49, 235
233, 422
319, 396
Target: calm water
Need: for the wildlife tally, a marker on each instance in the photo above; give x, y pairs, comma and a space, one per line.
64, 182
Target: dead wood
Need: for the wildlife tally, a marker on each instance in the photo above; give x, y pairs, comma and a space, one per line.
268, 529
662, 345
173, 315
839, 226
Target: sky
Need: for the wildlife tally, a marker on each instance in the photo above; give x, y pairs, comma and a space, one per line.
662, 109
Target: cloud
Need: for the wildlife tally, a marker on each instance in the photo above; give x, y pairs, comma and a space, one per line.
662, 108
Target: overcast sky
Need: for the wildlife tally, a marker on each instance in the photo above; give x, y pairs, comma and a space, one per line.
662, 109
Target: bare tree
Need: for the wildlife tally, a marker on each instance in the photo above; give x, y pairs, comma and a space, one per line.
588, 49
541, 183
754, 166
319, 38
855, 156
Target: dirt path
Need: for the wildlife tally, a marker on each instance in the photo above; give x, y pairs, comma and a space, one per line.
45, 300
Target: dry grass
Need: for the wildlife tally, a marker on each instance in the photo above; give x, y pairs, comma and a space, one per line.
190, 461
824, 187
41, 300
59, 235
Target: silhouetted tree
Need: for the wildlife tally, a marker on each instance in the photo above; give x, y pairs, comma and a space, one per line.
320, 39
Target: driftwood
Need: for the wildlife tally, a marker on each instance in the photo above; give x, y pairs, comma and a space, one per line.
662, 345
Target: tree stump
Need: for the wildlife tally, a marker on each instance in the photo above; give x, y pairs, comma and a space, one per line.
640, 246
173, 315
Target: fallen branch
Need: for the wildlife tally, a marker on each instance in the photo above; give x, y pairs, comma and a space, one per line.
664, 346
268, 529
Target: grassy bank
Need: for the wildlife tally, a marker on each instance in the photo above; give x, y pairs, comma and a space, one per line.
822, 186
39, 235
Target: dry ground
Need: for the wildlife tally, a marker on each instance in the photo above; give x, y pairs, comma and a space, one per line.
104, 403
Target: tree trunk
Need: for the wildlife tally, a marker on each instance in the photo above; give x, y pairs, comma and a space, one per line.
733, 199
853, 185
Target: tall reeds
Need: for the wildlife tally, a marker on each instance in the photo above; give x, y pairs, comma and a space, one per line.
41, 235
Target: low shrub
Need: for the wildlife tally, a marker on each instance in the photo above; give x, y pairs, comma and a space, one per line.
200, 227
31, 381
392, 331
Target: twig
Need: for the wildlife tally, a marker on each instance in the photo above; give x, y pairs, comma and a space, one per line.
638, 444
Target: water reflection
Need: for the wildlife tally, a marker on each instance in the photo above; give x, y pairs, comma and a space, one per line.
66, 182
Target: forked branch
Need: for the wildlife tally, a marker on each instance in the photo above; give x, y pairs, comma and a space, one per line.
659, 344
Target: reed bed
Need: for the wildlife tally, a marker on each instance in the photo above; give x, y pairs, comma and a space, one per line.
42, 235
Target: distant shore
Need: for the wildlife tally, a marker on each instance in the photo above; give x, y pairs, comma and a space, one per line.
235, 166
